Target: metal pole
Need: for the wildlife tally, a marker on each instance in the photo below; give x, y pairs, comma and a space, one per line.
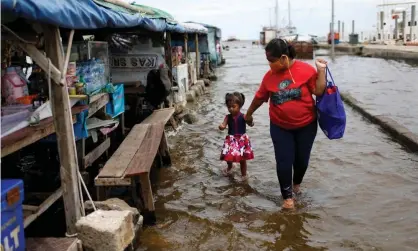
339, 26
352, 32
382, 25
332, 31
404, 26
342, 31
413, 11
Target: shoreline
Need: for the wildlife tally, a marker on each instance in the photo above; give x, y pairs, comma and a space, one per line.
409, 53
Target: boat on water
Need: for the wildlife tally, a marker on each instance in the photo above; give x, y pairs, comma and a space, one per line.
270, 32
303, 43
232, 38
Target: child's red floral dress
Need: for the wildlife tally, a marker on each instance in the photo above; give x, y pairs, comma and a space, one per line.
237, 145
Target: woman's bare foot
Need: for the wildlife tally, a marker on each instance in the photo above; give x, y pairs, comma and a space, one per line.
296, 189
288, 204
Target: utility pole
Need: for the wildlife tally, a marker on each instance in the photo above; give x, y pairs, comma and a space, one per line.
332, 31
276, 15
339, 27
413, 11
404, 26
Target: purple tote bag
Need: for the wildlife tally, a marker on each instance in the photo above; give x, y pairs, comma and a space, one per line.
330, 109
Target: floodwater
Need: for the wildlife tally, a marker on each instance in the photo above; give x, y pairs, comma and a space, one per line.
360, 193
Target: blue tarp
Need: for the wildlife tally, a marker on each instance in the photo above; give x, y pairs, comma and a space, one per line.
218, 32
77, 14
84, 15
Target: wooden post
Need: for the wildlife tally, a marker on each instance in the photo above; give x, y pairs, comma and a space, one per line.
63, 123
169, 52
197, 56
186, 47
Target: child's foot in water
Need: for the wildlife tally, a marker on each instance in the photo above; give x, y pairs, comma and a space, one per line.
227, 171
289, 204
243, 178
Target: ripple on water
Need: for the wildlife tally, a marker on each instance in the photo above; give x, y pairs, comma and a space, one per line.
360, 193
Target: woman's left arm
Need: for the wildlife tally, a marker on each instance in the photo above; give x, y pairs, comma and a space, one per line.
321, 81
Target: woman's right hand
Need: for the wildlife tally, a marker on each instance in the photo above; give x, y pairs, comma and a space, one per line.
222, 127
249, 120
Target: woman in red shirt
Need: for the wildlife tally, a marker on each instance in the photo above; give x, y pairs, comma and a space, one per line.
289, 86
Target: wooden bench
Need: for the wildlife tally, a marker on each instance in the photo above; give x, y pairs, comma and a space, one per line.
134, 158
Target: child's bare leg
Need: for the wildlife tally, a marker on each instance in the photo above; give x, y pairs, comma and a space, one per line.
230, 166
243, 165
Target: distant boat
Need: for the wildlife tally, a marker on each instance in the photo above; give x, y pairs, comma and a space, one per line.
231, 39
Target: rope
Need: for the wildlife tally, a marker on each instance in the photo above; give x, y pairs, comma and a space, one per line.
85, 189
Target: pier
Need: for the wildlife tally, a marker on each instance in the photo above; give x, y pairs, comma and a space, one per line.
409, 53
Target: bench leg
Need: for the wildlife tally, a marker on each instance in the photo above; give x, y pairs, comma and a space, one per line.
100, 193
164, 151
149, 214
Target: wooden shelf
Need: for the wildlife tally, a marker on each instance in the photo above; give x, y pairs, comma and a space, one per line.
31, 134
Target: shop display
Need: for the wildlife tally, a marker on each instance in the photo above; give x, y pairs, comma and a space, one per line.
92, 76
89, 50
13, 85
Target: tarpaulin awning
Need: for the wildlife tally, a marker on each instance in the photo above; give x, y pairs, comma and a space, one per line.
218, 32
194, 28
79, 14
92, 14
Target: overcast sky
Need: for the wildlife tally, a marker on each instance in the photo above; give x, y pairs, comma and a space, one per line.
244, 18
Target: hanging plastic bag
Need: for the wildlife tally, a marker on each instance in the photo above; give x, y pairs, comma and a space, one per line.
330, 108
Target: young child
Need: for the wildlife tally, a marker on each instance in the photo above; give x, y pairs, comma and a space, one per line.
237, 146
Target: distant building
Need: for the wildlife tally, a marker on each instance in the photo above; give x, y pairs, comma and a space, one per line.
390, 17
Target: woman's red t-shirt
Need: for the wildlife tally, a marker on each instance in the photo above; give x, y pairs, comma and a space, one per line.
291, 104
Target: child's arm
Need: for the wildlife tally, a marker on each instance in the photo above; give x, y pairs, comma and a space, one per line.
224, 124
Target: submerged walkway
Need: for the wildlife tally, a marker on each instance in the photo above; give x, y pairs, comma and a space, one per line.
354, 189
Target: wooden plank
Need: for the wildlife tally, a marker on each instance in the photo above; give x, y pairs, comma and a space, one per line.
43, 207
134, 90
51, 244
116, 166
112, 181
173, 123
96, 97
27, 131
30, 208
160, 115
41, 61
197, 56
98, 104
61, 111
96, 153
26, 136
148, 148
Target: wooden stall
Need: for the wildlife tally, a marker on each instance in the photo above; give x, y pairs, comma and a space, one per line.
57, 119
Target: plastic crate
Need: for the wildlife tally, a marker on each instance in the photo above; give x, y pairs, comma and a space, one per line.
12, 229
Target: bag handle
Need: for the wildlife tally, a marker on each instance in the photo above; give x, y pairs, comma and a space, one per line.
326, 77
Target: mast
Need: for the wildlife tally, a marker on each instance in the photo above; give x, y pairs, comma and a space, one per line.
288, 10
276, 16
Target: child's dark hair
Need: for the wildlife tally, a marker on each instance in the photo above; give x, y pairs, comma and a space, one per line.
235, 98
278, 47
